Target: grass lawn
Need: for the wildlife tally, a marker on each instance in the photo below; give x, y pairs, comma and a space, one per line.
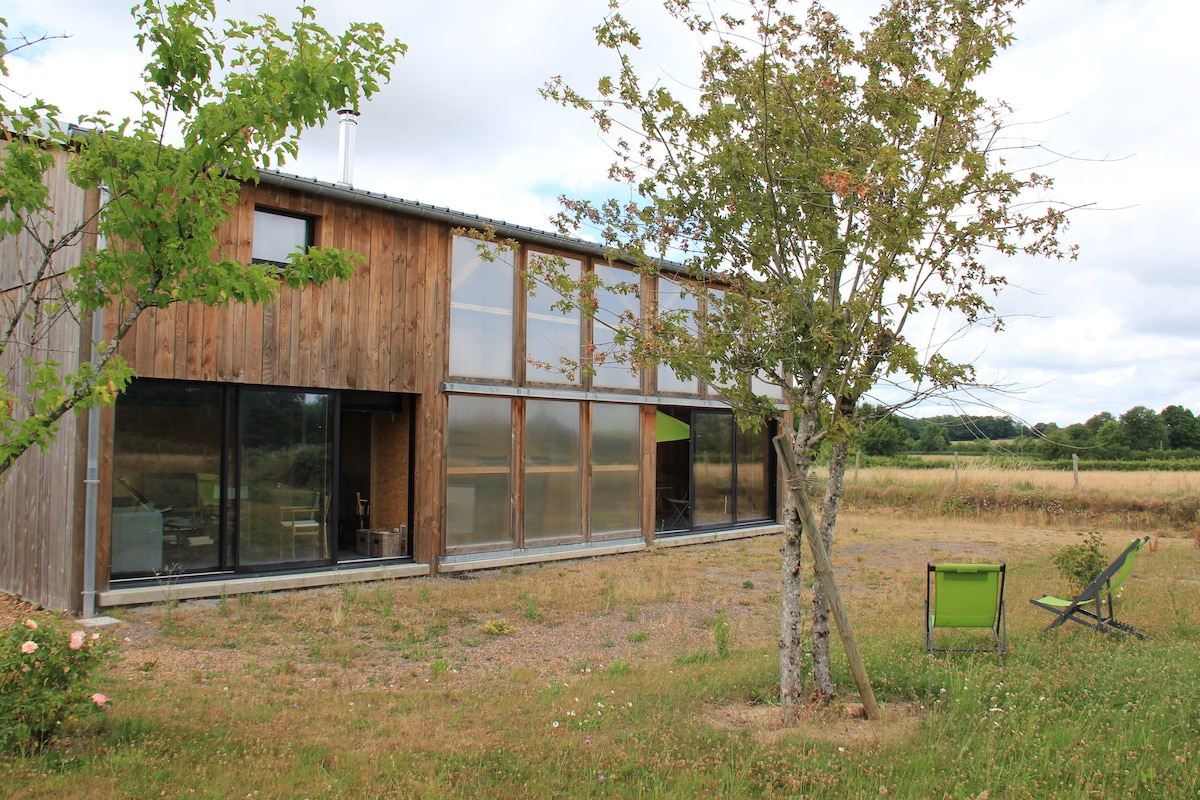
645, 675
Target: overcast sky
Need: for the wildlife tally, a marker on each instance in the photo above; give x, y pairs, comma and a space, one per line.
1111, 83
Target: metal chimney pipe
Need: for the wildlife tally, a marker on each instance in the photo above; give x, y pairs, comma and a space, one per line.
347, 125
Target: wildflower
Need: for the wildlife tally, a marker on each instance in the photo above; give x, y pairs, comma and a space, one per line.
31, 624
28, 647
77, 639
100, 699
555, 724
601, 776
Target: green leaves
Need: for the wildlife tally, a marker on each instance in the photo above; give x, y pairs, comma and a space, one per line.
842, 184
237, 99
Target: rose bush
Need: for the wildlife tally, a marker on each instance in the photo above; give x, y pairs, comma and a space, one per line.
45, 677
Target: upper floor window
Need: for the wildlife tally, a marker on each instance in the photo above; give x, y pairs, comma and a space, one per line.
552, 336
617, 308
684, 309
482, 281
278, 236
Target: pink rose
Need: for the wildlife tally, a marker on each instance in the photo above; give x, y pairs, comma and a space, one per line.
28, 647
31, 625
100, 699
77, 638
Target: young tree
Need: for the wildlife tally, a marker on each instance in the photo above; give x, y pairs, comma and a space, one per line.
835, 186
234, 99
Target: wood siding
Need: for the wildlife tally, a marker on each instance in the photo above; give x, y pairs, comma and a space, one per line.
365, 333
41, 495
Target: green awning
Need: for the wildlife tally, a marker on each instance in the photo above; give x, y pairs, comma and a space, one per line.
669, 429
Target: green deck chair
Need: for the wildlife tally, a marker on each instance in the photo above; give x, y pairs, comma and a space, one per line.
1094, 605
966, 596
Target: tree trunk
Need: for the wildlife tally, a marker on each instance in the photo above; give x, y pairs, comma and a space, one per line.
791, 620
822, 672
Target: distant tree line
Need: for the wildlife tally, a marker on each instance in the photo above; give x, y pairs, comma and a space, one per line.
1139, 434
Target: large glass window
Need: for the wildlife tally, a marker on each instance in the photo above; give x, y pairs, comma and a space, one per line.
553, 484
672, 298
617, 305
166, 496
481, 310
219, 477
753, 481
478, 486
552, 336
712, 474
285, 476
615, 457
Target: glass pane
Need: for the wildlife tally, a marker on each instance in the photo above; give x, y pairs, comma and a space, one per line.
166, 479
285, 478
754, 501
278, 236
615, 484
672, 298
481, 310
713, 468
613, 307
478, 494
553, 485
552, 336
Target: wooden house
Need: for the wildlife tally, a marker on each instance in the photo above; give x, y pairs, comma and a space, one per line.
405, 422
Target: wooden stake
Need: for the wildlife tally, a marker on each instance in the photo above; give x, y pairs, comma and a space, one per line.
824, 570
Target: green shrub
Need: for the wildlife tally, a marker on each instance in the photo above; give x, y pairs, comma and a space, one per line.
1080, 564
45, 682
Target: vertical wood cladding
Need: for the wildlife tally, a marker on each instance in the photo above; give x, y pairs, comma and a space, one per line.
369, 332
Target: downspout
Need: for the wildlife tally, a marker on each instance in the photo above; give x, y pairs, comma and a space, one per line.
92, 480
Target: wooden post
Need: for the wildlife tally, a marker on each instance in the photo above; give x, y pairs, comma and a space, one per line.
824, 570
1075, 467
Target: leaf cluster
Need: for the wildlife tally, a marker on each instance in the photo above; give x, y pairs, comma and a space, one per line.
219, 102
832, 186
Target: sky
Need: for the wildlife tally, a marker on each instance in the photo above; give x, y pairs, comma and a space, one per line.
1107, 85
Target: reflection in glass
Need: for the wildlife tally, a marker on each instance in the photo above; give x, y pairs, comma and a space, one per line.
553, 485
754, 501
614, 308
285, 476
478, 494
712, 474
671, 297
552, 336
166, 479
615, 457
481, 311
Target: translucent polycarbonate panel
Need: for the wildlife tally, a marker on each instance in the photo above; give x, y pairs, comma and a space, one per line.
278, 237
481, 310
766, 388
166, 497
285, 477
617, 304
672, 298
552, 337
478, 486
712, 468
553, 480
615, 474
753, 484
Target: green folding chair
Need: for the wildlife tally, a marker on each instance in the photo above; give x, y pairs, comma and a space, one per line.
1094, 605
966, 596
